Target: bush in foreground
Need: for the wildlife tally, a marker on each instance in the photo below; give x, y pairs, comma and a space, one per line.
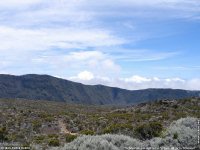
54, 142
70, 138
182, 134
149, 131
3, 134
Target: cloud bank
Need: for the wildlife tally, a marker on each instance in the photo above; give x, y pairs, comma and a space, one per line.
136, 82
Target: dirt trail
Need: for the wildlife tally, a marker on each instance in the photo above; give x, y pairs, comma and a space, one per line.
63, 128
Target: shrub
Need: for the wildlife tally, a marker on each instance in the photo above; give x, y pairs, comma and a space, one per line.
70, 138
186, 130
52, 136
113, 128
175, 106
175, 136
3, 134
102, 142
49, 119
87, 132
39, 139
181, 134
148, 131
54, 142
165, 115
36, 124
107, 130
12, 137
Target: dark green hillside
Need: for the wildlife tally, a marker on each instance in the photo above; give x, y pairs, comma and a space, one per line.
44, 87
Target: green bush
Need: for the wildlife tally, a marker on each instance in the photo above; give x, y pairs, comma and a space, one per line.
175, 136
120, 116
107, 130
39, 139
70, 138
113, 128
165, 115
49, 119
87, 132
54, 142
12, 137
148, 131
52, 136
187, 137
36, 124
3, 134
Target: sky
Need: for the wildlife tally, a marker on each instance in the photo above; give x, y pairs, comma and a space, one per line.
131, 44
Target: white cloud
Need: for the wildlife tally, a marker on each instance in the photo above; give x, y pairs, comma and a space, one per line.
18, 3
174, 80
137, 79
138, 82
193, 84
44, 39
62, 64
85, 55
76, 12
57, 24
95, 61
85, 75
141, 55
32, 48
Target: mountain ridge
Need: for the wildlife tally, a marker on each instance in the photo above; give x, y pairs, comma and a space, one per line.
46, 87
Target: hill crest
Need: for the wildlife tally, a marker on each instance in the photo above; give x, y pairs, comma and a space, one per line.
46, 87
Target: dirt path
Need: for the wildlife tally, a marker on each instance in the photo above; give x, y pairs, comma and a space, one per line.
63, 128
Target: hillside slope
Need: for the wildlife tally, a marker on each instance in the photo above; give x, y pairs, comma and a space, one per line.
44, 87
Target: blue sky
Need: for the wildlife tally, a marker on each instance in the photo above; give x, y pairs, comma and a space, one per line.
125, 43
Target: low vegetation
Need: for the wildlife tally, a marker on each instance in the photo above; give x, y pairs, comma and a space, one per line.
54, 124
188, 140
3, 134
69, 138
149, 130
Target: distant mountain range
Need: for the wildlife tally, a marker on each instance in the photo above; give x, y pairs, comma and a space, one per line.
45, 87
